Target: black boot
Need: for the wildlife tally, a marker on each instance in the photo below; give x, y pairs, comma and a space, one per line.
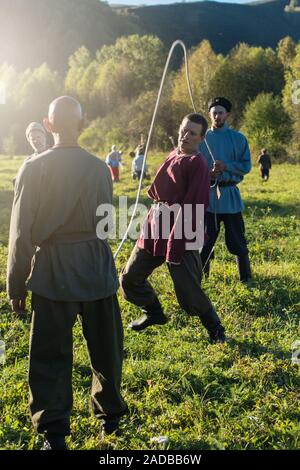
211, 321
147, 320
217, 335
243, 264
54, 442
153, 315
109, 427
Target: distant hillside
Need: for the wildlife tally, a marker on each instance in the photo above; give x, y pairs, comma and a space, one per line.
36, 31
261, 23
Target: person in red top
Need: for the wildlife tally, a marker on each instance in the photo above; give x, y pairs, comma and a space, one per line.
181, 186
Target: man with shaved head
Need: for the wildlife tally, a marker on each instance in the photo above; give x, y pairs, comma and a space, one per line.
55, 253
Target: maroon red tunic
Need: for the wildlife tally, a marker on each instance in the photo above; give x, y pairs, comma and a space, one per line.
179, 180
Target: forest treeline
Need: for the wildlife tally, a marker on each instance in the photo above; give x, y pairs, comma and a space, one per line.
118, 85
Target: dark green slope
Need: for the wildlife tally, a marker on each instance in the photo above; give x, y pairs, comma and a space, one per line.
225, 25
36, 31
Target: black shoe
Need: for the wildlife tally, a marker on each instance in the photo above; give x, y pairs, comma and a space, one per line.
110, 427
148, 320
217, 335
243, 264
248, 281
54, 443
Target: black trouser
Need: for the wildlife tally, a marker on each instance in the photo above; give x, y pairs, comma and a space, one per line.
234, 234
186, 278
51, 357
265, 173
138, 174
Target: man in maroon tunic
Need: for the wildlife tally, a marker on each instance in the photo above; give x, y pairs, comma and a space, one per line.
182, 180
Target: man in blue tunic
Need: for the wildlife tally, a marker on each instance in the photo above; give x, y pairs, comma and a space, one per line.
232, 161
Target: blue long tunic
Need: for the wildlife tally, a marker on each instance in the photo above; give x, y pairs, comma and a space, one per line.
232, 148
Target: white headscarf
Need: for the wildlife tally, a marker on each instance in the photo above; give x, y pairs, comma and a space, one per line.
34, 126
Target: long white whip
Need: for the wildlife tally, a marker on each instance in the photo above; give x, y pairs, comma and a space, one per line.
176, 43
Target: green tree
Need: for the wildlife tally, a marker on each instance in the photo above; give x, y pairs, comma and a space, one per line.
8, 77
143, 55
267, 124
9, 145
203, 63
93, 136
286, 51
29, 95
36, 89
75, 81
115, 85
166, 121
245, 73
291, 97
124, 125
8, 109
119, 73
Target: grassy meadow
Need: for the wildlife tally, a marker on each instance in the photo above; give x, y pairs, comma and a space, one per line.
240, 395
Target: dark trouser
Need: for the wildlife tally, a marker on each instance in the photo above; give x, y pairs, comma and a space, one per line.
138, 174
186, 279
265, 173
51, 357
234, 238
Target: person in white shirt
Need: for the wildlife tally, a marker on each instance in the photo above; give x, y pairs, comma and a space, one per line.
137, 163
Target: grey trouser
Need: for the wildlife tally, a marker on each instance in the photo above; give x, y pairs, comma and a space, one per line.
186, 278
51, 357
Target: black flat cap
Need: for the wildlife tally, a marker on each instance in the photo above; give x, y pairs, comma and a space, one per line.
220, 101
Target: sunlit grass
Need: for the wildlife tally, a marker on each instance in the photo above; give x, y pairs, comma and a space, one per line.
241, 395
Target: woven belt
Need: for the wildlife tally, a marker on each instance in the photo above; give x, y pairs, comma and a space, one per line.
224, 183
70, 238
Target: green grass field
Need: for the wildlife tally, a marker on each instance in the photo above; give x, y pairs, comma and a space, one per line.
241, 395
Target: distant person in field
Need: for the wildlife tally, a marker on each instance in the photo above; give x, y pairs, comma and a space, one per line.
182, 180
113, 160
137, 164
231, 152
55, 253
265, 164
36, 137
